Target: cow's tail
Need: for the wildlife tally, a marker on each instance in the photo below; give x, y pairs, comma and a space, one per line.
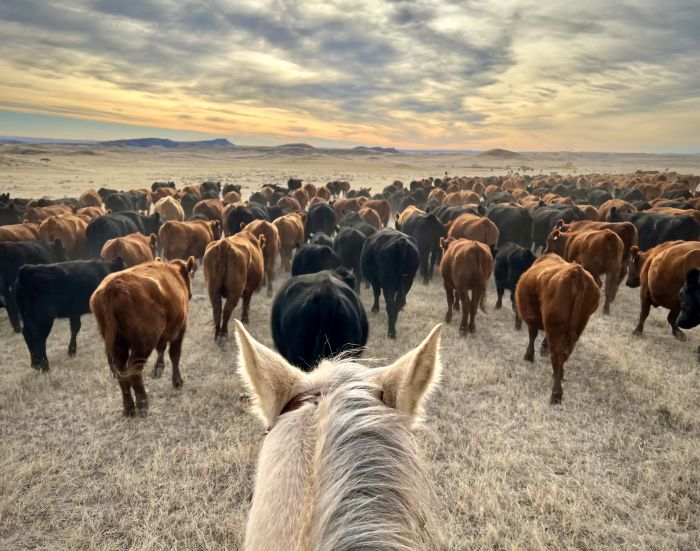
405, 279
215, 278
105, 309
577, 278
325, 312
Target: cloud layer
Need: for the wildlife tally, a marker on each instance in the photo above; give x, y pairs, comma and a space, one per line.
463, 73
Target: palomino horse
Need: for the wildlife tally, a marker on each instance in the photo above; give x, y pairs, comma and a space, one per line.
339, 469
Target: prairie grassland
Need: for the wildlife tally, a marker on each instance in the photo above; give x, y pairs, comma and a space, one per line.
617, 466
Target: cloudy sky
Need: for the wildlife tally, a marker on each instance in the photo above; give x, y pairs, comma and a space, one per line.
464, 74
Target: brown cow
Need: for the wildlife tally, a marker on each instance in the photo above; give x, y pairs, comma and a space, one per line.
184, 239
233, 269
315, 200
619, 204
163, 192
370, 216
137, 310
661, 279
169, 208
341, 206
638, 260
477, 228
289, 203
466, 266
271, 249
558, 297
36, 215
70, 229
405, 214
438, 194
133, 249
599, 251
382, 207
211, 208
311, 191
90, 198
302, 196
92, 212
590, 212
624, 230
291, 234
19, 232
232, 197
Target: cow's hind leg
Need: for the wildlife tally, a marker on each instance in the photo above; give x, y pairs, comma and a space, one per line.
392, 311
558, 360
42, 332
74, 330
532, 335
175, 352
270, 277
544, 348
518, 321
611, 285
230, 305
245, 314
449, 292
376, 291
477, 296
643, 314
118, 358
216, 313
135, 365
466, 309
672, 319
159, 366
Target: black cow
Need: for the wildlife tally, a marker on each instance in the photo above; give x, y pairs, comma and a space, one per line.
103, 228
351, 219
348, 245
389, 262
188, 201
15, 255
597, 197
631, 194
122, 201
654, 228
690, 303
514, 224
294, 183
211, 189
242, 216
157, 185
9, 214
448, 213
105, 193
320, 217
510, 263
52, 291
544, 219
320, 238
316, 316
258, 198
231, 187
311, 258
427, 230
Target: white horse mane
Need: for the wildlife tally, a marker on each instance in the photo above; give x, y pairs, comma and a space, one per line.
371, 490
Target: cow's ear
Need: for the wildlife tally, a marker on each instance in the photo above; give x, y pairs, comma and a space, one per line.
554, 235
407, 382
634, 253
191, 266
266, 374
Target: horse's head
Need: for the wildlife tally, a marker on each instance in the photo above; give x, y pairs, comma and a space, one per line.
339, 446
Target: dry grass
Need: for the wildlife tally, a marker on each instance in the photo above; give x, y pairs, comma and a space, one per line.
617, 466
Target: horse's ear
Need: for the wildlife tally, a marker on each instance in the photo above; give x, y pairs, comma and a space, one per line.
408, 381
268, 376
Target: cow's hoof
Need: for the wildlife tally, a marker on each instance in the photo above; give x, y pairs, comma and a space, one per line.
392, 335
529, 357
17, 329
157, 371
375, 309
72, 352
606, 310
555, 399
142, 412
544, 351
498, 306
637, 332
131, 412
518, 326
177, 383
680, 335
697, 354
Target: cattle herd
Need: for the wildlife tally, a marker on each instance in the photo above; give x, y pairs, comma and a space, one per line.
129, 258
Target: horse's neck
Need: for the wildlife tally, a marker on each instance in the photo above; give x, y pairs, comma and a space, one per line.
282, 501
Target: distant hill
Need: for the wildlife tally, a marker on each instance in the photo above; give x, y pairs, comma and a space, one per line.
169, 144
377, 149
294, 145
502, 153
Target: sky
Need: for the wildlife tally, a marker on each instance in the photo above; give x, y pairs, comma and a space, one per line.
441, 74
